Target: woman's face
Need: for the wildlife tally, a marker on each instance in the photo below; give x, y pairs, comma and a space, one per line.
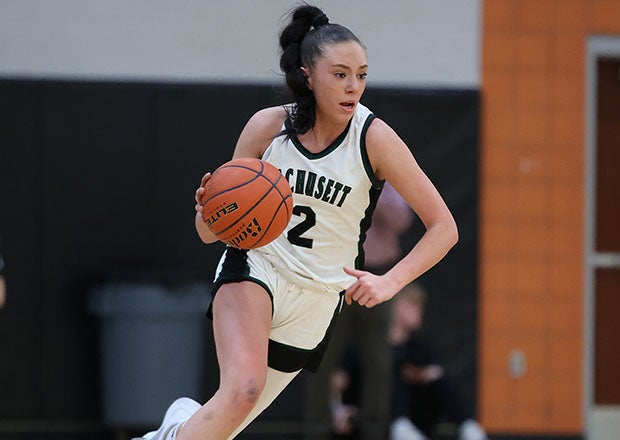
409, 314
338, 80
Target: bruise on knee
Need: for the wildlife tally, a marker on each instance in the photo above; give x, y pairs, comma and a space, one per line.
252, 394
251, 391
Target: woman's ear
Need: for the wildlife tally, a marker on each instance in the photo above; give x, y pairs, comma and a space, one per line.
306, 74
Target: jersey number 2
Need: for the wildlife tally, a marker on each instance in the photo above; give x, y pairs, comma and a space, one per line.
295, 234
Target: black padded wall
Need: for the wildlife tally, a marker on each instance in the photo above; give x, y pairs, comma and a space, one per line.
441, 128
97, 182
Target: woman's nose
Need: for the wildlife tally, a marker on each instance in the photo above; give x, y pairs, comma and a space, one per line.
353, 85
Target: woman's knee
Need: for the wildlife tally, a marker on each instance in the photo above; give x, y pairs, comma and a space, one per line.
243, 392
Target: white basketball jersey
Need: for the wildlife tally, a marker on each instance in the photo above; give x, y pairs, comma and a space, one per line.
334, 194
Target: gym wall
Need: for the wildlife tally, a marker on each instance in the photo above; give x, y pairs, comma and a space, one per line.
110, 114
533, 212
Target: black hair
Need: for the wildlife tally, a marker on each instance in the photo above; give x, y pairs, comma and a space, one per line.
302, 42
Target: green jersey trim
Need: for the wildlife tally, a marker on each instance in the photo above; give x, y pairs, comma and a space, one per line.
300, 147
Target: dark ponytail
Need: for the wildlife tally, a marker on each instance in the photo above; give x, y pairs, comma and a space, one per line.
301, 42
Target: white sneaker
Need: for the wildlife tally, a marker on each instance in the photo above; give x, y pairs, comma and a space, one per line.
403, 429
471, 430
180, 410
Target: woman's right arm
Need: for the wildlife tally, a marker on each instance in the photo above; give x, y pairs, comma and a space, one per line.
256, 136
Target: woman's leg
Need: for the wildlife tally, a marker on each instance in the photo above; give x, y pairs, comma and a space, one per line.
241, 327
276, 382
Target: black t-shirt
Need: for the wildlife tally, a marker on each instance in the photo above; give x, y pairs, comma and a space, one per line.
415, 351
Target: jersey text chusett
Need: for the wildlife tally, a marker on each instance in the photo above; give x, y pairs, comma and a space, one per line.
319, 187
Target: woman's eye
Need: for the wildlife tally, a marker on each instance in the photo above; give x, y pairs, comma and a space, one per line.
340, 74
362, 75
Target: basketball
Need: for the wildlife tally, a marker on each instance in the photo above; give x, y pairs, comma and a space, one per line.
247, 203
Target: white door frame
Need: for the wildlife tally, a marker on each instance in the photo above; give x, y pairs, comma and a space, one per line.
597, 46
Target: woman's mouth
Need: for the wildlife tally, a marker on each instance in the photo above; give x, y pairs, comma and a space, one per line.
348, 105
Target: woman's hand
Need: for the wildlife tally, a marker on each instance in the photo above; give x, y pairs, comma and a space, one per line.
369, 289
420, 375
200, 191
204, 232
343, 417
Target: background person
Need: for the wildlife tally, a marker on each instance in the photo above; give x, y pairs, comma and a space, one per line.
422, 394
367, 329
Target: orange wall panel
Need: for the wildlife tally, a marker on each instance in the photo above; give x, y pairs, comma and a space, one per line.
496, 277
495, 361
571, 16
500, 15
568, 52
501, 130
501, 164
566, 277
501, 84
498, 202
567, 126
536, 15
504, 240
530, 317
532, 209
604, 16
565, 160
531, 203
498, 314
533, 128
565, 245
533, 239
533, 52
564, 319
566, 208
567, 91
500, 50
533, 89
531, 278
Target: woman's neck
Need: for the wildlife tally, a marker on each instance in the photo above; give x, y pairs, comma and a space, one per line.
317, 139
324, 132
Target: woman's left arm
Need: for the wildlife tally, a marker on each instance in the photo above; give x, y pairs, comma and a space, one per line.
393, 161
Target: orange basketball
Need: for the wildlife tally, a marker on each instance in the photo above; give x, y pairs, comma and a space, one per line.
247, 203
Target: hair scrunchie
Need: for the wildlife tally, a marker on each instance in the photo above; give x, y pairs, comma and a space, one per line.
320, 20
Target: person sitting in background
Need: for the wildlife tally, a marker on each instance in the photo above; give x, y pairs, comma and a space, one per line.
422, 393
366, 329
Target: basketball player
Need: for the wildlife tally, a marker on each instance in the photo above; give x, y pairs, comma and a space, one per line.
273, 307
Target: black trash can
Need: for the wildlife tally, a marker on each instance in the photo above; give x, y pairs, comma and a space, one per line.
152, 349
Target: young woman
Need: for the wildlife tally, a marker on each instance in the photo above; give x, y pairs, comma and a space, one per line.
272, 307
